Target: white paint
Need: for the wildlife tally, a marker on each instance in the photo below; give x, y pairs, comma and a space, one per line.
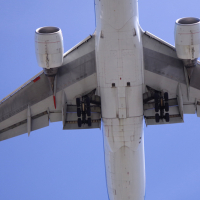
49, 47
119, 62
187, 38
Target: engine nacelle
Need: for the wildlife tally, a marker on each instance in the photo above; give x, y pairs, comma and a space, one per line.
187, 39
49, 47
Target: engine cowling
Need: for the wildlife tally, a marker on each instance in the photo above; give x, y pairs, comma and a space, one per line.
187, 40
49, 47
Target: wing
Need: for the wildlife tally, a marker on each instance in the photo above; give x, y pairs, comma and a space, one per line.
164, 72
31, 106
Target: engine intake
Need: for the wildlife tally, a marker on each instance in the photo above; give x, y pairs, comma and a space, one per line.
49, 47
187, 40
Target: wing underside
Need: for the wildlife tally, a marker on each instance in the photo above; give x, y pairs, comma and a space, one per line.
31, 106
164, 72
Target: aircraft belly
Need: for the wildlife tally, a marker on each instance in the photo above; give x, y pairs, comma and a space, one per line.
123, 132
120, 85
125, 172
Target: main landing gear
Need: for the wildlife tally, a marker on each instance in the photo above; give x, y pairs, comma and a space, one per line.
83, 111
162, 105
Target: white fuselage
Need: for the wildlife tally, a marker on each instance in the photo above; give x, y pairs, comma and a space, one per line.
119, 59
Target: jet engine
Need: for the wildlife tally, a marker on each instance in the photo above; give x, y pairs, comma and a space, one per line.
49, 53
187, 40
49, 47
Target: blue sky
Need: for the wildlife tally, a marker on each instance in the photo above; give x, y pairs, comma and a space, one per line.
56, 164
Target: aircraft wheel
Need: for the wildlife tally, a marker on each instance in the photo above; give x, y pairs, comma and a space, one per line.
156, 107
88, 101
79, 122
166, 107
78, 112
157, 118
89, 122
156, 97
166, 96
88, 111
167, 117
78, 102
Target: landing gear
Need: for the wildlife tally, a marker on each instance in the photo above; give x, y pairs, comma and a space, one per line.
166, 96
157, 118
78, 112
167, 117
78, 102
166, 107
79, 122
156, 97
87, 101
156, 107
89, 122
83, 111
161, 106
88, 111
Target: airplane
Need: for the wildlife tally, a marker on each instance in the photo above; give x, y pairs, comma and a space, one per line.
31, 135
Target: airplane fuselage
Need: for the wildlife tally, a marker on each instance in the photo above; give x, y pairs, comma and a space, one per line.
119, 59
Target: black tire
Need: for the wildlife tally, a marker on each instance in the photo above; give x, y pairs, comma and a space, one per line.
166, 96
166, 107
89, 122
167, 117
78, 112
87, 101
157, 118
79, 122
156, 107
84, 118
88, 111
78, 102
156, 97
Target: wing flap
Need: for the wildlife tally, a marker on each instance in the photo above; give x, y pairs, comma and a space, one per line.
12, 132
55, 117
38, 121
